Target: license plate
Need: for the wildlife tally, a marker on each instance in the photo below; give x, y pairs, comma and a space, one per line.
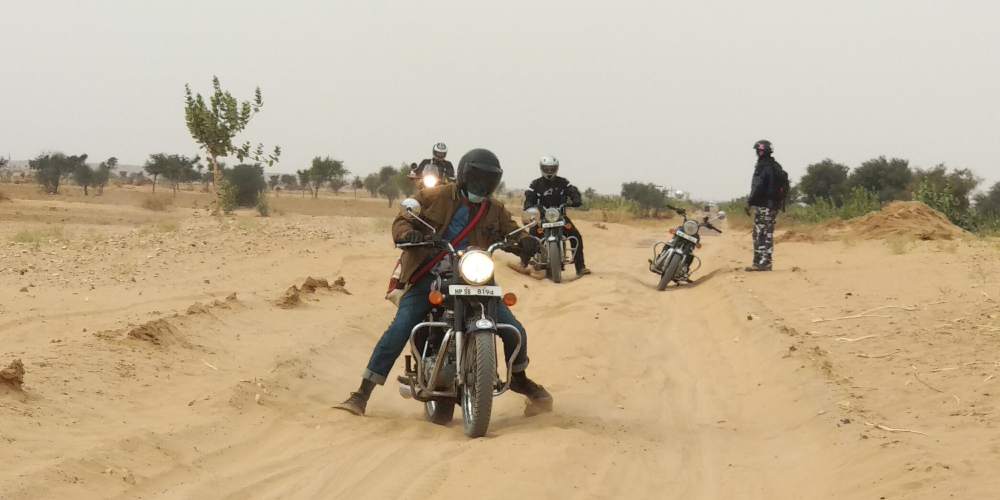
684, 235
475, 291
549, 225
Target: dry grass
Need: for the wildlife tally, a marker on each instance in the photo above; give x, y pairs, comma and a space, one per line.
37, 237
157, 203
4, 197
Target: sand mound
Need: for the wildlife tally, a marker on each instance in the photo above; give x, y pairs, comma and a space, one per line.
158, 332
905, 219
290, 299
293, 296
13, 375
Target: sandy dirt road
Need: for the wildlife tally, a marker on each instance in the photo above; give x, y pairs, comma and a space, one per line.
724, 389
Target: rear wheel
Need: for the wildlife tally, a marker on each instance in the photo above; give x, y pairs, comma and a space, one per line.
439, 412
670, 271
477, 393
555, 262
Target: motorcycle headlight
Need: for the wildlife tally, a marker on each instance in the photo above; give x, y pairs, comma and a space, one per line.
691, 227
552, 214
430, 181
476, 267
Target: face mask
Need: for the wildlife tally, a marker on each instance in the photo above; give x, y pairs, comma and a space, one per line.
475, 198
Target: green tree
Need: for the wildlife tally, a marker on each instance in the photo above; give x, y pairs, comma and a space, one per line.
103, 173
649, 197
958, 184
303, 180
289, 182
180, 169
826, 180
326, 170
389, 185
357, 184
890, 179
247, 183
216, 122
83, 176
51, 168
988, 203
372, 183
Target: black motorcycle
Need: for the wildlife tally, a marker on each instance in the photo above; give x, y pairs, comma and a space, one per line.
673, 260
555, 249
453, 354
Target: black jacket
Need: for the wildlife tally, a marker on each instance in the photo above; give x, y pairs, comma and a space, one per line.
551, 193
444, 165
764, 186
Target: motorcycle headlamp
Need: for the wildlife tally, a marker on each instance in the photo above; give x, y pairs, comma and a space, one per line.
476, 267
691, 227
430, 180
552, 214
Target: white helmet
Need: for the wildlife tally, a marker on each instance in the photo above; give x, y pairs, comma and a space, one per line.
549, 166
440, 150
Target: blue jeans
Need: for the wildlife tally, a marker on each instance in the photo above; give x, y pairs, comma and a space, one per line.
413, 309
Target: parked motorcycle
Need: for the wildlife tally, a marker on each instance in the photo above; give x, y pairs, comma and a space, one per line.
555, 249
673, 260
453, 354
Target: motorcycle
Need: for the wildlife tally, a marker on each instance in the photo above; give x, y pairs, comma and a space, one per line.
429, 177
555, 249
672, 261
453, 354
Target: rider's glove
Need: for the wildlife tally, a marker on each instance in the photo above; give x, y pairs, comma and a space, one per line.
413, 237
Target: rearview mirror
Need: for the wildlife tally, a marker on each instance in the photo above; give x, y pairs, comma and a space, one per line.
409, 207
532, 214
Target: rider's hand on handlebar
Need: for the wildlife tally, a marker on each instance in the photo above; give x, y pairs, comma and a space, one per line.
413, 237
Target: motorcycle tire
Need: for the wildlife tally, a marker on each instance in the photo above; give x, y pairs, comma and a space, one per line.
477, 393
439, 412
555, 262
670, 271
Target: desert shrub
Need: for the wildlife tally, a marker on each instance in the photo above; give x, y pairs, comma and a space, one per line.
942, 198
857, 202
247, 183
648, 197
263, 207
38, 236
227, 197
156, 203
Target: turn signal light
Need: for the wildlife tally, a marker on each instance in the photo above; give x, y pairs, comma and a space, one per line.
510, 299
436, 298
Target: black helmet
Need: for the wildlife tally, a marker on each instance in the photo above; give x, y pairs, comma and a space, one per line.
479, 172
763, 147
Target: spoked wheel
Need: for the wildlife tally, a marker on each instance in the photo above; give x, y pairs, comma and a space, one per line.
439, 411
671, 270
477, 393
555, 262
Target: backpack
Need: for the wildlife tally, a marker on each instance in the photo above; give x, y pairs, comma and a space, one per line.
781, 186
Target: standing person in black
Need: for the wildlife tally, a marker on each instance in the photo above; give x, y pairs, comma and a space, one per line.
438, 154
552, 191
768, 191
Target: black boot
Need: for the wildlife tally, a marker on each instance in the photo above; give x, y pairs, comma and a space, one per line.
540, 400
358, 401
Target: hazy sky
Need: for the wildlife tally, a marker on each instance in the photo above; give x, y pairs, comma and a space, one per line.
668, 92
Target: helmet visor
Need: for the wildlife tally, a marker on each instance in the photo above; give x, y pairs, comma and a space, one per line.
481, 182
550, 169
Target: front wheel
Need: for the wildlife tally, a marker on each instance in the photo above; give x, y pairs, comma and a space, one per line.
477, 392
670, 271
439, 412
555, 262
